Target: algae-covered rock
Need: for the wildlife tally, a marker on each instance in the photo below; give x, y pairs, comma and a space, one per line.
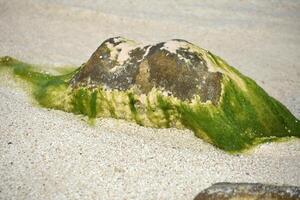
249, 191
169, 84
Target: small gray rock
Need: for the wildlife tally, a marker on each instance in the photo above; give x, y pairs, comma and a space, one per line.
249, 191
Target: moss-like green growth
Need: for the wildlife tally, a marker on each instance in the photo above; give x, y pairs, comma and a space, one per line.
245, 115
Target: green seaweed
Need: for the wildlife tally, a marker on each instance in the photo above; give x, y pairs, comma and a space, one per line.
166, 108
132, 105
243, 118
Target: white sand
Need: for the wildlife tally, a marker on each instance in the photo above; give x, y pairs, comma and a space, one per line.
47, 154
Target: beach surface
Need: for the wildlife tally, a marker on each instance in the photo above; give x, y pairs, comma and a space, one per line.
50, 154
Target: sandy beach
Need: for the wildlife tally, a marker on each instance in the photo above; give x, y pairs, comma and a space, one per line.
50, 154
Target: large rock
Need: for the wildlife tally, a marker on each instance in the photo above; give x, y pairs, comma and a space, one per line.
249, 191
169, 84
177, 84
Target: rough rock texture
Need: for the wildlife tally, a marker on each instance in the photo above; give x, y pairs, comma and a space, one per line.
174, 66
249, 191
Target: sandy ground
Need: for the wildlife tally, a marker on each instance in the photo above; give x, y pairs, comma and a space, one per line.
47, 154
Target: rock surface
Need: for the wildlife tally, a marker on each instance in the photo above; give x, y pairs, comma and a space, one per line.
249, 191
176, 66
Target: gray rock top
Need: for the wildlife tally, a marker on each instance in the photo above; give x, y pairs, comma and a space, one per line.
245, 191
176, 67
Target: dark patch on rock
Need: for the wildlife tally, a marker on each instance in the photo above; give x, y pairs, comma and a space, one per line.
245, 191
183, 74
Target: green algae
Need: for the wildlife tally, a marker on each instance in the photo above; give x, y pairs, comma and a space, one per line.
245, 116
